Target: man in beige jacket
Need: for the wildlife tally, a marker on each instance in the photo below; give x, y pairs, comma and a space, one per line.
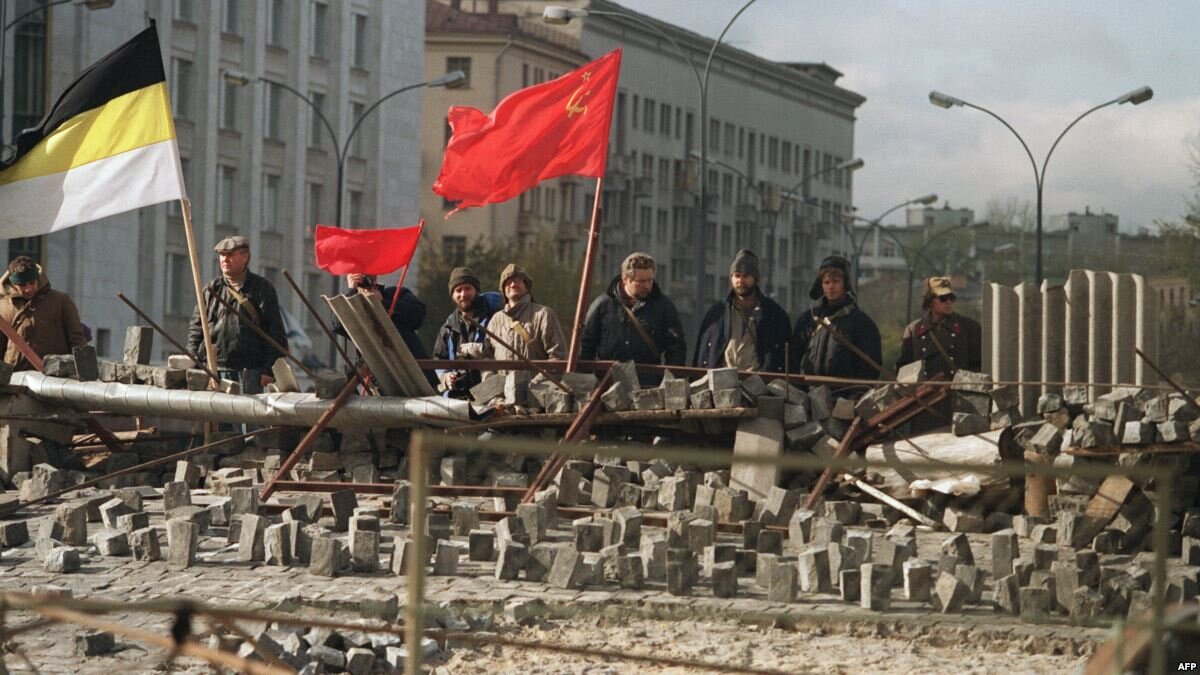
529, 328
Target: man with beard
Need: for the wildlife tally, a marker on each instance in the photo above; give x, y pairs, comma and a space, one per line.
461, 335
747, 330
524, 325
815, 346
634, 321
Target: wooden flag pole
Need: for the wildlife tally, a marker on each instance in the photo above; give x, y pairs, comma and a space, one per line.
210, 353
586, 281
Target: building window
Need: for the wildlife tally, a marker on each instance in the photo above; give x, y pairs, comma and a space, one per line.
729, 138
679, 124
636, 101
827, 168
661, 228
270, 202
34, 247
356, 145
226, 184
320, 30
648, 116
714, 135
181, 88
312, 205
276, 22
539, 75
838, 173
230, 19
355, 212
273, 102
645, 213
185, 10
727, 188
664, 120
29, 66
360, 41
787, 157
316, 128
229, 107
524, 75
462, 63
773, 153
454, 250
741, 142
181, 296
174, 207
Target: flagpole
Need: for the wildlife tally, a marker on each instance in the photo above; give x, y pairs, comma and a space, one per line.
210, 353
400, 284
585, 282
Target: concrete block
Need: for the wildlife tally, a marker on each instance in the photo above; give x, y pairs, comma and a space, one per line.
73, 518
139, 345
875, 586
1034, 604
251, 543
918, 580
782, 582
326, 555
813, 570
1007, 594
949, 594
183, 540
1005, 549
567, 571
724, 580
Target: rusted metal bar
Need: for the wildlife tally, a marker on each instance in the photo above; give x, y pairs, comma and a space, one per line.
322, 422
604, 418
1170, 380
166, 336
842, 450
578, 429
387, 488
230, 304
12, 507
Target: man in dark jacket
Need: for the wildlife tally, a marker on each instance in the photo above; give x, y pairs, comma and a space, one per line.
238, 347
407, 315
634, 321
813, 342
47, 319
941, 334
747, 330
461, 335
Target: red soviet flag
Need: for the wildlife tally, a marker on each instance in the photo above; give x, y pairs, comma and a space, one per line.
548, 130
365, 251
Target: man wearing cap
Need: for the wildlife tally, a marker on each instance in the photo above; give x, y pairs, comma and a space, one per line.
238, 347
822, 333
407, 316
942, 340
461, 335
747, 330
529, 328
633, 320
47, 319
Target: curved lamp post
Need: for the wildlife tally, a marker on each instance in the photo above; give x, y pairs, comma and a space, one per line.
1136, 97
555, 14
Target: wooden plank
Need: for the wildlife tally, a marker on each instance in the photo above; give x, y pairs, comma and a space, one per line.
1109, 498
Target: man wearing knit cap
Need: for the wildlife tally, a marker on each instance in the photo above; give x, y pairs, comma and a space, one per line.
634, 320
747, 330
814, 344
461, 335
529, 328
47, 319
942, 340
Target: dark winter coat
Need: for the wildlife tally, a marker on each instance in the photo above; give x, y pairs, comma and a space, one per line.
608, 332
960, 336
237, 345
774, 330
455, 332
48, 321
819, 353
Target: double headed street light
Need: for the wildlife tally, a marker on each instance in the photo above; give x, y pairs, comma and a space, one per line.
555, 14
1136, 97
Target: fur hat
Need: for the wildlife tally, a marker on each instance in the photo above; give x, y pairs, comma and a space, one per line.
746, 262
833, 262
463, 275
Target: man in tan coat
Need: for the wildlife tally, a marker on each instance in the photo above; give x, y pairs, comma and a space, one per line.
47, 319
529, 328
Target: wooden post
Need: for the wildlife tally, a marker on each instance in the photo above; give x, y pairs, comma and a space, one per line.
414, 610
588, 260
210, 352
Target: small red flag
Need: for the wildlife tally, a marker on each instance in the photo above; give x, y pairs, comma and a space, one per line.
365, 251
553, 129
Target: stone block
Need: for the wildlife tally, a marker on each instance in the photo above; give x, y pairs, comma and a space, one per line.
94, 644
813, 570
700, 533
1005, 549
183, 540
326, 555
139, 345
875, 586
277, 544
653, 551
918, 580
87, 368
727, 398
73, 518
972, 578
769, 541
724, 580
445, 558
251, 544
648, 399
782, 582
618, 397
568, 569
949, 594
1006, 596
1034, 604
59, 365
959, 519
969, 424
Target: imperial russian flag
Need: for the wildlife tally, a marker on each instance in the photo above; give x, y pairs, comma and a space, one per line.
553, 129
107, 146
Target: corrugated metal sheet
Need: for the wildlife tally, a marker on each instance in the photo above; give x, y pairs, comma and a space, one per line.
373, 333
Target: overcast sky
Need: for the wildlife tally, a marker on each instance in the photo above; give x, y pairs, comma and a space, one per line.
1038, 64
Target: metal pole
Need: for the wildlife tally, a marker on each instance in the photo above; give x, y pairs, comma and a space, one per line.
212, 371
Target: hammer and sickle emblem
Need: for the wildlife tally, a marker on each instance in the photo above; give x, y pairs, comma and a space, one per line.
575, 102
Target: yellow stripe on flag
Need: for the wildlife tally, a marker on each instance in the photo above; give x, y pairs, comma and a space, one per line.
134, 120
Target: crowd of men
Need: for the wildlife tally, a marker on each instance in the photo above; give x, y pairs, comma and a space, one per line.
633, 320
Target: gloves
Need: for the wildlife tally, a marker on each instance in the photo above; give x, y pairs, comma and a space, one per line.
447, 379
470, 350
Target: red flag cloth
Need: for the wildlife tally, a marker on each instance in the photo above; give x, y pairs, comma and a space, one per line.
365, 251
552, 129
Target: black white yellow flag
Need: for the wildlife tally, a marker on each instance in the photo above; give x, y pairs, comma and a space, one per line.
107, 146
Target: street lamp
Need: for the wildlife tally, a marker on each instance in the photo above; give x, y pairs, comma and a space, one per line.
911, 260
90, 4
1136, 97
555, 14
924, 200
341, 151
